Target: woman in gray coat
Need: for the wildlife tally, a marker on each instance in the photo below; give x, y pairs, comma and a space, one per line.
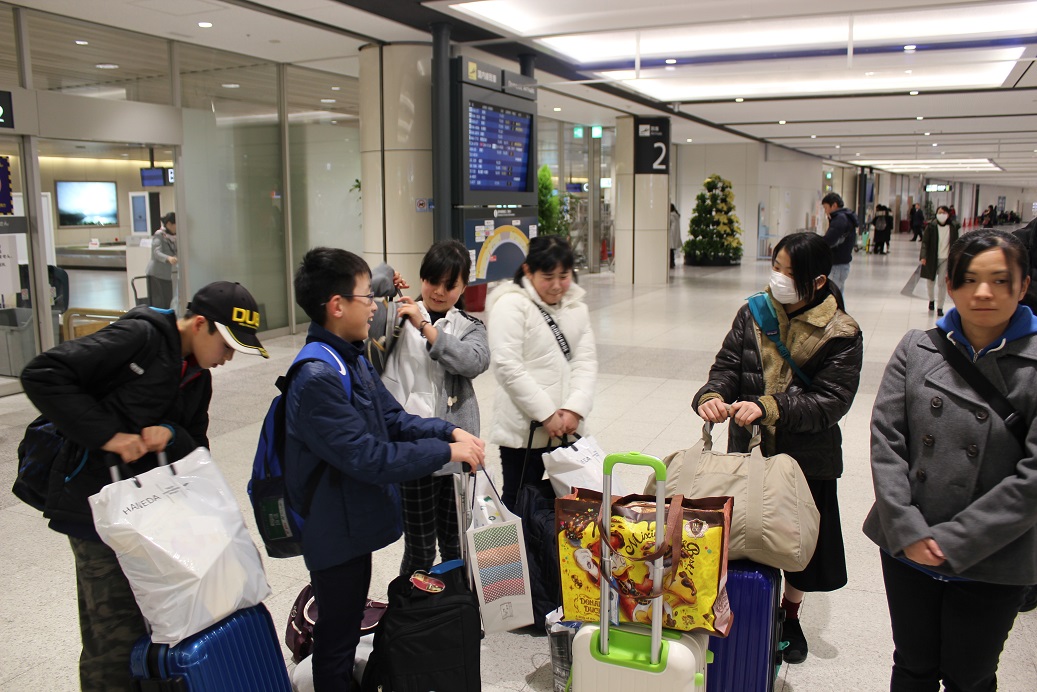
955, 511
163, 260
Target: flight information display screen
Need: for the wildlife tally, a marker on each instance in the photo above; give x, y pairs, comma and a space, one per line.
498, 148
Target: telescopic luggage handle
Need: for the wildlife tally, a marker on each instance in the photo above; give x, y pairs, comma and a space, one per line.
634, 459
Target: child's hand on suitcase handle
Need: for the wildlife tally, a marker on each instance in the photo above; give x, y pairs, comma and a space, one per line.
128, 447
554, 425
156, 437
468, 449
570, 421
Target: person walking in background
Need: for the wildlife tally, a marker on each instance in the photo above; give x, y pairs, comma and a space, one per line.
544, 360
883, 224
937, 239
841, 237
675, 235
438, 353
163, 260
751, 383
917, 222
955, 485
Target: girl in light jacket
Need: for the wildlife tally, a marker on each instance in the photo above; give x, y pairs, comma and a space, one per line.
955, 511
751, 383
545, 373
440, 350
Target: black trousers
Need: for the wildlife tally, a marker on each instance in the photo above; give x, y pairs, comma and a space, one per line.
341, 593
951, 631
511, 460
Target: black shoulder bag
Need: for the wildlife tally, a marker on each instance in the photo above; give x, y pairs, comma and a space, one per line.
980, 384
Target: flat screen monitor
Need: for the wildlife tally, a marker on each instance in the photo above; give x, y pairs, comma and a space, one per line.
152, 177
498, 148
82, 203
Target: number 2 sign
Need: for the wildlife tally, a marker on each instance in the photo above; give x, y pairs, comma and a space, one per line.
651, 145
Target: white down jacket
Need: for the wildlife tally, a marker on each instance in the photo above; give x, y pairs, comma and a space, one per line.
534, 378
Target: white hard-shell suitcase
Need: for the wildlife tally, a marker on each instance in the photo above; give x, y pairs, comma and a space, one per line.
636, 657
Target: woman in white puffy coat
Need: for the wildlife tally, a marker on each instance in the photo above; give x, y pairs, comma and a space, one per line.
544, 372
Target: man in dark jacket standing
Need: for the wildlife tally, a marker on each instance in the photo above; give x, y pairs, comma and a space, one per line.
139, 386
841, 236
917, 222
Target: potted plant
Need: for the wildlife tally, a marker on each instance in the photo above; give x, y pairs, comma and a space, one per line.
714, 229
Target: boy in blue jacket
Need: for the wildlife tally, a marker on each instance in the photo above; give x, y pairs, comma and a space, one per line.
359, 445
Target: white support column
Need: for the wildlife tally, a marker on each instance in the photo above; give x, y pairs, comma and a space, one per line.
642, 214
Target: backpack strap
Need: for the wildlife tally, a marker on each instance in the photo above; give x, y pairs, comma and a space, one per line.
767, 320
316, 350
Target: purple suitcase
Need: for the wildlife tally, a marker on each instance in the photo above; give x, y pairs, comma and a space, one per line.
748, 659
240, 653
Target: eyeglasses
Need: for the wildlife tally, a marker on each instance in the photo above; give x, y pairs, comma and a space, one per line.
368, 297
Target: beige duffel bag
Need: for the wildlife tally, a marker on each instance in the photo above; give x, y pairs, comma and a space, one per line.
775, 521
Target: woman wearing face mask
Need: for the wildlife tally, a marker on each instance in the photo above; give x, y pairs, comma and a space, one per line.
751, 383
937, 239
544, 360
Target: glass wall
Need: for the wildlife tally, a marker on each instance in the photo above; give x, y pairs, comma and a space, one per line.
231, 173
75, 57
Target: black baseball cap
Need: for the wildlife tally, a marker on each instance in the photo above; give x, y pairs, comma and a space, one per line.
235, 313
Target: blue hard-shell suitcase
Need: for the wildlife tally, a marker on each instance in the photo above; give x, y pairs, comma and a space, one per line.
240, 653
748, 659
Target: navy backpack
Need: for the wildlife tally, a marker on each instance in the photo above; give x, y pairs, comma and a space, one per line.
279, 523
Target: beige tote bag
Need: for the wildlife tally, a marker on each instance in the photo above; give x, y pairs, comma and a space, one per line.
775, 521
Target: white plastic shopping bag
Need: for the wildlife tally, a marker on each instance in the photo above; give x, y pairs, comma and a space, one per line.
578, 465
497, 556
182, 544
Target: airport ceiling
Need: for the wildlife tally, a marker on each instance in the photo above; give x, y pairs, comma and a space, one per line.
945, 89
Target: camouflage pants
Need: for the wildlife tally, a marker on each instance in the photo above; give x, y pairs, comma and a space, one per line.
109, 619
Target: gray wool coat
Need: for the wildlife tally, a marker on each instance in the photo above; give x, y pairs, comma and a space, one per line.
945, 466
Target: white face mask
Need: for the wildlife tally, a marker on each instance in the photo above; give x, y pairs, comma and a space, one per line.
941, 219
783, 288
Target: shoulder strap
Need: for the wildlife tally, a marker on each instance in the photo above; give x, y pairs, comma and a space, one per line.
557, 331
765, 317
979, 383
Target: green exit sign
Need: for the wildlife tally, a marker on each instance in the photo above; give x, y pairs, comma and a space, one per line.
596, 132
577, 133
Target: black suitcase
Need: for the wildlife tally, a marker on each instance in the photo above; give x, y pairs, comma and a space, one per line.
428, 639
536, 507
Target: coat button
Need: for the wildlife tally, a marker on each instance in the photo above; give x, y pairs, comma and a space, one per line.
920, 474
982, 415
937, 402
972, 451
928, 440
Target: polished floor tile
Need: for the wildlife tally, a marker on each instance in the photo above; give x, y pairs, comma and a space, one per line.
655, 348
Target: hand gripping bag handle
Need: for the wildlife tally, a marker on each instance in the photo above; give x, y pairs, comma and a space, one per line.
707, 437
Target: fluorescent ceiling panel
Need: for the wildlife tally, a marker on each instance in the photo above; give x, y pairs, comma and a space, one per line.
869, 74
1000, 20
929, 165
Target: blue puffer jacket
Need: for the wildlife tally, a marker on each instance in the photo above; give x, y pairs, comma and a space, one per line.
369, 439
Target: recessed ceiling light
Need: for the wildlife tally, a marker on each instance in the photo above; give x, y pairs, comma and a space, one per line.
926, 134
205, 25
231, 85
336, 88
857, 154
327, 100
82, 43
689, 140
913, 93
910, 48
671, 61
813, 136
919, 117
739, 100
869, 74
908, 71
334, 122
838, 146
781, 122
106, 66
935, 144
557, 110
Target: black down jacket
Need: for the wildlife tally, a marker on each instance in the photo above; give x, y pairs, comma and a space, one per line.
128, 376
802, 422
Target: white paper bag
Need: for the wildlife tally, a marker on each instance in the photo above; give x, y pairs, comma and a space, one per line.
182, 544
497, 556
578, 465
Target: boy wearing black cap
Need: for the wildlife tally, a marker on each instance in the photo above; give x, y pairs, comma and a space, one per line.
140, 385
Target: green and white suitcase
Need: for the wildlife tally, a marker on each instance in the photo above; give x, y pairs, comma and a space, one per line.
636, 657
